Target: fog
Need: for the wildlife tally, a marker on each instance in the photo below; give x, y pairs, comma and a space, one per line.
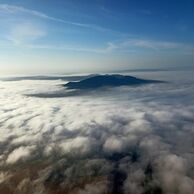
126, 140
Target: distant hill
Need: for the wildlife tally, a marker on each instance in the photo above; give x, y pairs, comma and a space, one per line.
114, 80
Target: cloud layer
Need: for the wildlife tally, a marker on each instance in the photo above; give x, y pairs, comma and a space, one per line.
123, 140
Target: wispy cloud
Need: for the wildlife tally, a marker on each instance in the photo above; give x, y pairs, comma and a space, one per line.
24, 32
127, 46
109, 48
149, 44
19, 9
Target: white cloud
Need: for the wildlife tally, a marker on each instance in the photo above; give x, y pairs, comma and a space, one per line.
21, 153
24, 33
114, 144
115, 131
78, 145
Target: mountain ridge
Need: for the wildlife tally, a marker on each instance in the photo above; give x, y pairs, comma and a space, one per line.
108, 80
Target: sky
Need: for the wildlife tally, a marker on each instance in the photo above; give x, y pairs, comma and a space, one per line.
65, 36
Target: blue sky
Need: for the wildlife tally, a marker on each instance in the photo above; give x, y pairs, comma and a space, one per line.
65, 36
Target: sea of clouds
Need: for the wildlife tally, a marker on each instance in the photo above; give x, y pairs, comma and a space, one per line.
126, 140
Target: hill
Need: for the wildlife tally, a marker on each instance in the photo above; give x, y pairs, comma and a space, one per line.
108, 81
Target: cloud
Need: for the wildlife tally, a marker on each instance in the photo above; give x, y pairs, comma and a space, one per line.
130, 139
134, 181
4, 176
105, 50
25, 32
173, 175
115, 144
15, 9
138, 43
156, 45
78, 145
97, 188
11, 9
21, 153
127, 46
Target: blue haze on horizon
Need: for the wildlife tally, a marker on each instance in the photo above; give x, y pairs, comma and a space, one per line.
99, 35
